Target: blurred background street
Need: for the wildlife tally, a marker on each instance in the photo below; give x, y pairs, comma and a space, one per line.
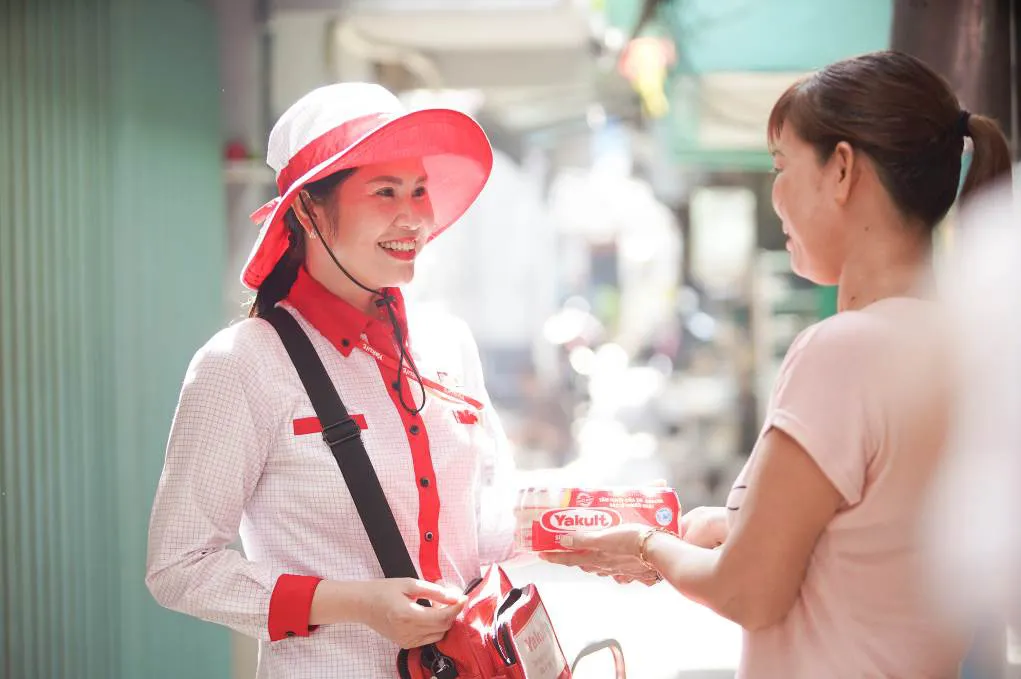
623, 271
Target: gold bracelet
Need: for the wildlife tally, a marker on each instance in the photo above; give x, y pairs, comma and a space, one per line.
643, 544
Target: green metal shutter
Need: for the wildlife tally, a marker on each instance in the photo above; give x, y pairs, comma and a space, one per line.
111, 255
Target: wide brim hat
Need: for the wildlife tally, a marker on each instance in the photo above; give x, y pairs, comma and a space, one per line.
350, 125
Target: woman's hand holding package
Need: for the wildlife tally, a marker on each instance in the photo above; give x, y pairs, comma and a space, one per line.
612, 553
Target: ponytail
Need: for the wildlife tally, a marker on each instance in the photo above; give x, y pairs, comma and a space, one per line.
990, 158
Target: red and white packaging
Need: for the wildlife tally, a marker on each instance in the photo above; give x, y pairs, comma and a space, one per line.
545, 515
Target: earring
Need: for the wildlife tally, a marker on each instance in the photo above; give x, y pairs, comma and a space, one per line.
311, 235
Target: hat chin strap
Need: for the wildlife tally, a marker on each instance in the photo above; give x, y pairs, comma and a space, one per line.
385, 300
319, 235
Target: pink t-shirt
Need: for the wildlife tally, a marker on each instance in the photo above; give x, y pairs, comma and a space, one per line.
865, 394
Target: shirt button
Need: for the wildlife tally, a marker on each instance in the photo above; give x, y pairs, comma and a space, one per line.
414, 429
429, 536
345, 342
396, 386
291, 634
424, 481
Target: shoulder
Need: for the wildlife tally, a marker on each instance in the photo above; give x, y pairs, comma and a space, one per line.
873, 334
843, 349
886, 344
846, 332
239, 350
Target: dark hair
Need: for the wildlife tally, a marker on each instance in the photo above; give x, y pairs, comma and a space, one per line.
906, 118
279, 281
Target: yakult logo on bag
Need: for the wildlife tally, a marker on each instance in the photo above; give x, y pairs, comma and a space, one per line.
538, 649
534, 640
576, 519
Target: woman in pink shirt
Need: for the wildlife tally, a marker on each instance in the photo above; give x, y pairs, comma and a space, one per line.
817, 553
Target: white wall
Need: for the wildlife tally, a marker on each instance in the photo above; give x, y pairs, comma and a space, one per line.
299, 56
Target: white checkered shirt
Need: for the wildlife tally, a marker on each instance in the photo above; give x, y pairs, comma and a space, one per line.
235, 466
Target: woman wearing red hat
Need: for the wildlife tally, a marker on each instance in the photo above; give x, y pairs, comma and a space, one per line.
363, 187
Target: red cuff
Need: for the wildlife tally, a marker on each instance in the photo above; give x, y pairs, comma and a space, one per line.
289, 606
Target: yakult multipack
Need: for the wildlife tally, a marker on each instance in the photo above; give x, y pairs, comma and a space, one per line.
545, 515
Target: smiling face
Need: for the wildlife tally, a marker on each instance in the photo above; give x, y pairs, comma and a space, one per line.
807, 196
376, 223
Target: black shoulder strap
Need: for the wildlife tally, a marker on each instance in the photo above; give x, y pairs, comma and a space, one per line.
344, 438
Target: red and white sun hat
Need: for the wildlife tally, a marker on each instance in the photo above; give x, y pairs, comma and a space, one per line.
349, 125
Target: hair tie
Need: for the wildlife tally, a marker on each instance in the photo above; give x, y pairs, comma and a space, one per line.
962, 124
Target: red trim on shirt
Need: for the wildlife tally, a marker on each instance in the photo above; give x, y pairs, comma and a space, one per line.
312, 425
290, 605
342, 324
422, 463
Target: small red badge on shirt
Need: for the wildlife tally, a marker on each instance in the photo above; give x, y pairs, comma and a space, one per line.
466, 416
312, 425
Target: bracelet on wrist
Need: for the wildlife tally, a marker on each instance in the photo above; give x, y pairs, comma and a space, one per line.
643, 545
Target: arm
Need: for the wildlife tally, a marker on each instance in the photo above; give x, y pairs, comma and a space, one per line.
496, 492
810, 463
497, 495
214, 458
755, 577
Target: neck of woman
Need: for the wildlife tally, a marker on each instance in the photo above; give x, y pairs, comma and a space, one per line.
894, 261
346, 289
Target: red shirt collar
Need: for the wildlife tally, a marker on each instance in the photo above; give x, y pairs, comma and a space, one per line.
342, 323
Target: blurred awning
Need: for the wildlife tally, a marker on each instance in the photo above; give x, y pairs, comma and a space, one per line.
732, 58
529, 63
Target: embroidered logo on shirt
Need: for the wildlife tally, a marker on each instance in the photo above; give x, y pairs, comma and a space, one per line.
466, 416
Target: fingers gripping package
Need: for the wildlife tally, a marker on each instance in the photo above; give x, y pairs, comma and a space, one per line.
545, 515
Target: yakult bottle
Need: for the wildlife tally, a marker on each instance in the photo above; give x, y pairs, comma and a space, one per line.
545, 515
